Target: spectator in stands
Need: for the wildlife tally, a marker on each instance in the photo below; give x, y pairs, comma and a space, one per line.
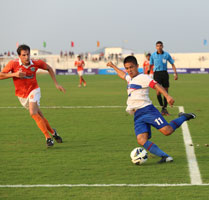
61, 53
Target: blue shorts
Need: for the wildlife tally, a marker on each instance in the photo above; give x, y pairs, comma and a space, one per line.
146, 117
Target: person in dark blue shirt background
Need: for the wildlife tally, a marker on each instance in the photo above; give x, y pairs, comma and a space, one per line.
159, 59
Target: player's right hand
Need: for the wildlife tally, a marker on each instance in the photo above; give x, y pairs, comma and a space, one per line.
19, 74
170, 101
60, 88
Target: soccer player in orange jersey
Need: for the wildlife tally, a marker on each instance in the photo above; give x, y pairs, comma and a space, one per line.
80, 65
23, 72
146, 66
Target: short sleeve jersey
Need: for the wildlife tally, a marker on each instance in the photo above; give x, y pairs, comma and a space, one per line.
23, 86
138, 92
160, 61
79, 65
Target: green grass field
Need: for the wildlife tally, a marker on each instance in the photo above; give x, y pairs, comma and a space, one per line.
98, 142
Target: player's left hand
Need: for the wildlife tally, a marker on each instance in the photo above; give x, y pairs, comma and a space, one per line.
175, 76
110, 64
60, 88
170, 101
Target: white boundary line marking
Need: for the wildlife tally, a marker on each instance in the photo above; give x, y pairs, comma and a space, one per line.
69, 107
194, 171
63, 107
191, 158
102, 185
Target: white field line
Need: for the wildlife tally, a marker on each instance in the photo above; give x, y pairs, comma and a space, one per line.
102, 185
64, 107
69, 107
191, 158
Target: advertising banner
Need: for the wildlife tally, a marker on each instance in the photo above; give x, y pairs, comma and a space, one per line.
74, 71
190, 71
110, 71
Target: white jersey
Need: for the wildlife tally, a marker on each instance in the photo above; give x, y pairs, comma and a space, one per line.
138, 92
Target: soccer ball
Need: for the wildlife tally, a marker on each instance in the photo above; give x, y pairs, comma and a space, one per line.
139, 156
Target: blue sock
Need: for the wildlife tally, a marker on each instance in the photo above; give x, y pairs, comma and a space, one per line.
177, 122
154, 149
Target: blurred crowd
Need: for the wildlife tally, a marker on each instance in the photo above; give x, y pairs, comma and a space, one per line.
8, 53
91, 57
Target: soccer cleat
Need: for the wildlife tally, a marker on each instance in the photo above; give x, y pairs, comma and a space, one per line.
163, 111
79, 85
166, 112
57, 137
188, 115
49, 142
84, 84
165, 159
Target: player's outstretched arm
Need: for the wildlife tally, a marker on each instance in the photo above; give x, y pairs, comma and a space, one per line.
120, 72
159, 88
52, 74
12, 75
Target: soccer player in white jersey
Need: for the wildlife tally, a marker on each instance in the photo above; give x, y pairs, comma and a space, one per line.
145, 114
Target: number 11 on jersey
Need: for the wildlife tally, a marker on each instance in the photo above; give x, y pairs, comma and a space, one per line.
159, 121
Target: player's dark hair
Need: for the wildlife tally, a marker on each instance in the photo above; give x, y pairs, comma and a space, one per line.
130, 59
23, 47
149, 54
159, 42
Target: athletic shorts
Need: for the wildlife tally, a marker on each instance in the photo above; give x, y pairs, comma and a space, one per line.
146, 117
162, 77
80, 73
34, 96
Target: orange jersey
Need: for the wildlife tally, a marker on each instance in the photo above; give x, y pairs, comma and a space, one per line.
146, 67
79, 65
23, 86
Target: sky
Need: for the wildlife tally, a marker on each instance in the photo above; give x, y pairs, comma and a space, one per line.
182, 25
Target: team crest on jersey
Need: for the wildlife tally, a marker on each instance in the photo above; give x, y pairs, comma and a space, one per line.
32, 69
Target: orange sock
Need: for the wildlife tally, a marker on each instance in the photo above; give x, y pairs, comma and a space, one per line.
83, 81
41, 124
48, 126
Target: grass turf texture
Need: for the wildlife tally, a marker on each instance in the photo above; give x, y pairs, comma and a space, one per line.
97, 142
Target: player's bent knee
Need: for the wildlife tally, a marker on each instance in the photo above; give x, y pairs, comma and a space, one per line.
167, 133
167, 130
141, 140
33, 113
